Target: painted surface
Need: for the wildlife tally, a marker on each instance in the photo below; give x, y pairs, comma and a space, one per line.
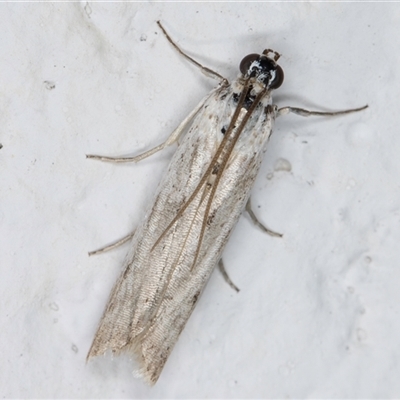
317, 314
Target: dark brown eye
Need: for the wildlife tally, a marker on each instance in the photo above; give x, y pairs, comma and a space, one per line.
278, 80
247, 61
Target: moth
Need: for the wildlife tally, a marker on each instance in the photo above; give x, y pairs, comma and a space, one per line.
197, 204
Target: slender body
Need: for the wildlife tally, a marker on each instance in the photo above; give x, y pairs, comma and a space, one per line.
168, 265
198, 203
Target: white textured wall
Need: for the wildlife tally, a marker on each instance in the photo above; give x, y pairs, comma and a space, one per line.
318, 312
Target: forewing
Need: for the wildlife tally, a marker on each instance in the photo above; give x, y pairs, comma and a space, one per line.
155, 295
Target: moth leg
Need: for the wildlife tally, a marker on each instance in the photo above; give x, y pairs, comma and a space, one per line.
226, 276
112, 245
306, 113
175, 135
257, 222
206, 71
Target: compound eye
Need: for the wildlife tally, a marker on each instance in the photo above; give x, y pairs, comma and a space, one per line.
247, 61
278, 80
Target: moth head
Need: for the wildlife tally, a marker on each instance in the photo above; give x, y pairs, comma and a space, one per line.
263, 68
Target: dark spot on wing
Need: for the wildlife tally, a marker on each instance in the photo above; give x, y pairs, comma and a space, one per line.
195, 298
215, 169
210, 218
